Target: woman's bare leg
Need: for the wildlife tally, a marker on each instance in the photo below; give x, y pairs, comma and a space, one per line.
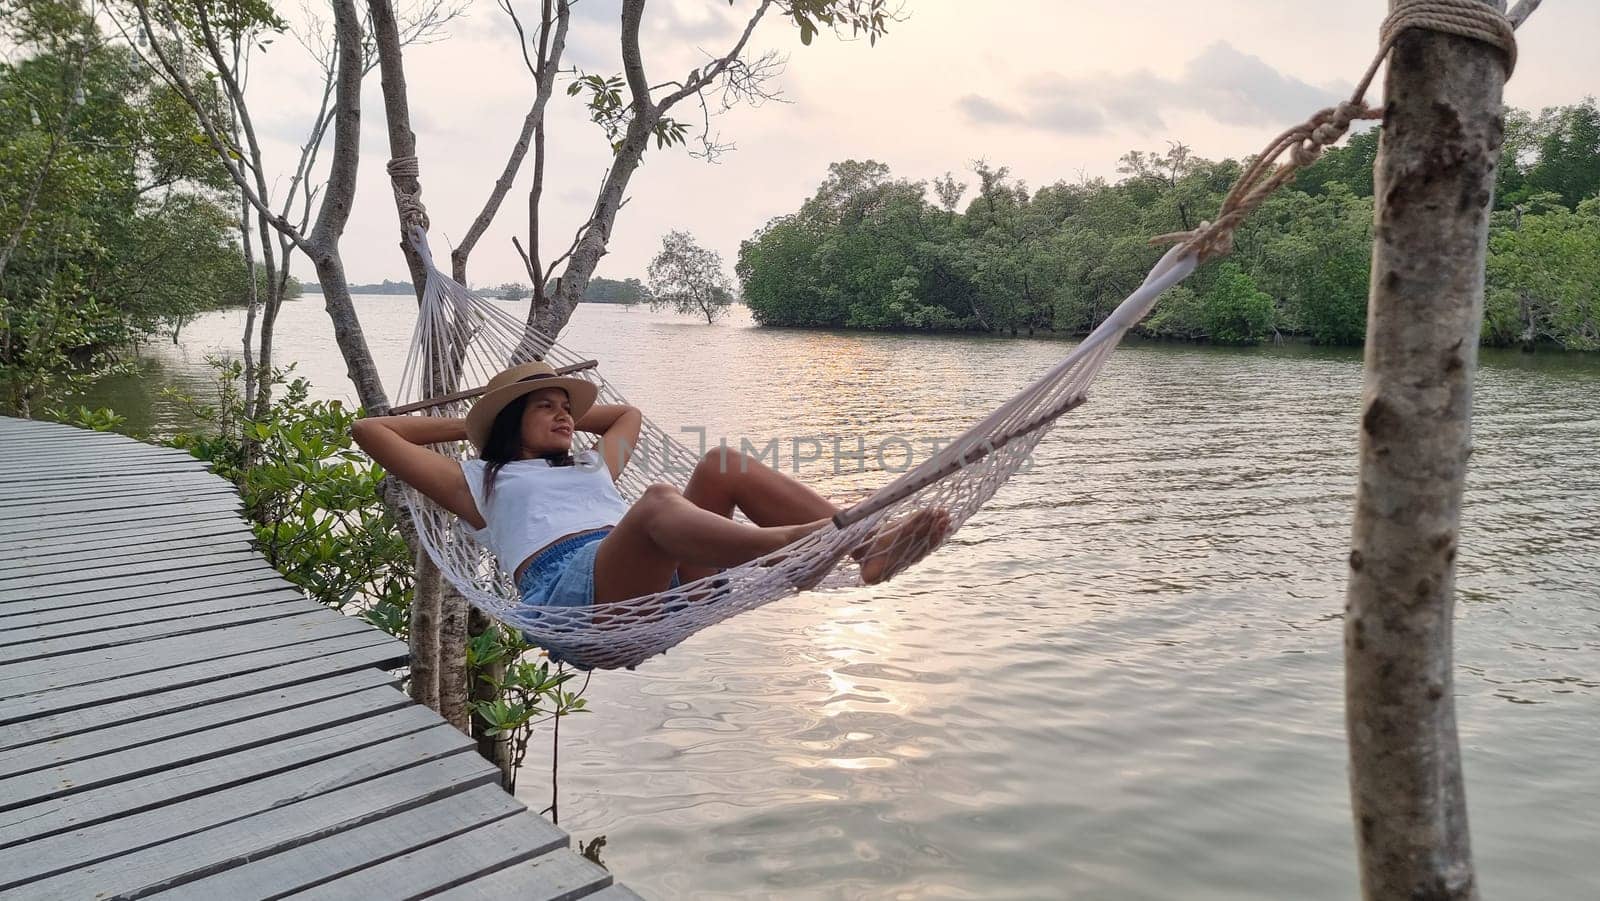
664, 529
728, 479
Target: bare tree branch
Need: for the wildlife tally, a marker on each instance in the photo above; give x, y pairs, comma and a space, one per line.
552, 43
227, 154
700, 78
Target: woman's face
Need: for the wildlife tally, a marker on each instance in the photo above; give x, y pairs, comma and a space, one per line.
547, 422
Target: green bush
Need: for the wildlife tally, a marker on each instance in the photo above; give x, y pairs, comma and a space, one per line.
1234, 310
311, 497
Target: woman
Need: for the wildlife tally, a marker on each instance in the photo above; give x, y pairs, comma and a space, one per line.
556, 521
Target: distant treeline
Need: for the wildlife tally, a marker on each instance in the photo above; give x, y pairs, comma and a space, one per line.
383, 287
600, 290
871, 251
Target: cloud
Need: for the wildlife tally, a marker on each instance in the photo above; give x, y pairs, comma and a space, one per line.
1232, 87
984, 111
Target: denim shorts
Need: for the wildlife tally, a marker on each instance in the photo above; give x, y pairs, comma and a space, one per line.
562, 575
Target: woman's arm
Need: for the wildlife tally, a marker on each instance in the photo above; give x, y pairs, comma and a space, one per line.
396, 443
618, 427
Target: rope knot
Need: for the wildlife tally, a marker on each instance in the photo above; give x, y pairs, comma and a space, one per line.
1464, 18
412, 212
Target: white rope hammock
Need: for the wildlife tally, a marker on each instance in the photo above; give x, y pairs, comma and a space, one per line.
462, 340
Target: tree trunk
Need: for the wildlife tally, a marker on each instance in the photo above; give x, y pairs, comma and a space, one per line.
439, 620
1434, 179
252, 306
347, 333
338, 198
481, 688
424, 630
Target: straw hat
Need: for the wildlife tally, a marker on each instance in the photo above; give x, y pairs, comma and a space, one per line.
517, 381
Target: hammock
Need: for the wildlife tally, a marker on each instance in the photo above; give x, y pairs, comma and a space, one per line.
462, 340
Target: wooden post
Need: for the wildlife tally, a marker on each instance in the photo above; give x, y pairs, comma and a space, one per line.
1434, 180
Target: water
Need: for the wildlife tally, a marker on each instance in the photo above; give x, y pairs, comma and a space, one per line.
1121, 680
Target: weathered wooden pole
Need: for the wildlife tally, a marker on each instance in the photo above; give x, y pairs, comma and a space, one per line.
1434, 180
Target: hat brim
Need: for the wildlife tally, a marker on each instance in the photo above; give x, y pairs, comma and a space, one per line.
480, 419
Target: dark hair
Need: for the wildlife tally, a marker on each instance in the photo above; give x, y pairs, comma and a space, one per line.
505, 444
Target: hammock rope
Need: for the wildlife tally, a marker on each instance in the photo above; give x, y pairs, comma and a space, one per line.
461, 340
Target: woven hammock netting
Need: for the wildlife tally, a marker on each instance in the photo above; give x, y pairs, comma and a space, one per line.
461, 340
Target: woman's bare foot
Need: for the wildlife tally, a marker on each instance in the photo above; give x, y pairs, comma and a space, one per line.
896, 547
813, 572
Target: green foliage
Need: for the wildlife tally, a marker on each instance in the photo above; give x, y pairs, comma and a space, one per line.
1233, 310
871, 251
628, 291
1567, 161
861, 17
609, 110
112, 226
523, 693
100, 420
50, 347
1544, 279
689, 278
313, 499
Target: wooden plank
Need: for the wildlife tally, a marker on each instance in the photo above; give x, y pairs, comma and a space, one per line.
104, 461
17, 493
232, 540
16, 651
122, 534
380, 649
66, 433
360, 666
176, 534
23, 424
102, 741
437, 867
43, 574
393, 717
92, 620
123, 769
45, 451
19, 472
19, 451
363, 841
129, 518
156, 480
67, 508
66, 578
557, 876
174, 579
34, 676
107, 463
14, 616
28, 493
97, 446
132, 821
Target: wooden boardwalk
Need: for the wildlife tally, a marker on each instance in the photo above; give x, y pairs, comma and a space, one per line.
178, 720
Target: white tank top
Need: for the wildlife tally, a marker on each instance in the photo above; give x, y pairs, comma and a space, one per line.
535, 503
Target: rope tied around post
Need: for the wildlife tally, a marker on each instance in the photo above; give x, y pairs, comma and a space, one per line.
412, 212
1304, 143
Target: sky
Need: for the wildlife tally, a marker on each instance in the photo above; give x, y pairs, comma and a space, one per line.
1053, 89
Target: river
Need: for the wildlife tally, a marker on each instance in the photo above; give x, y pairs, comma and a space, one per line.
1122, 679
